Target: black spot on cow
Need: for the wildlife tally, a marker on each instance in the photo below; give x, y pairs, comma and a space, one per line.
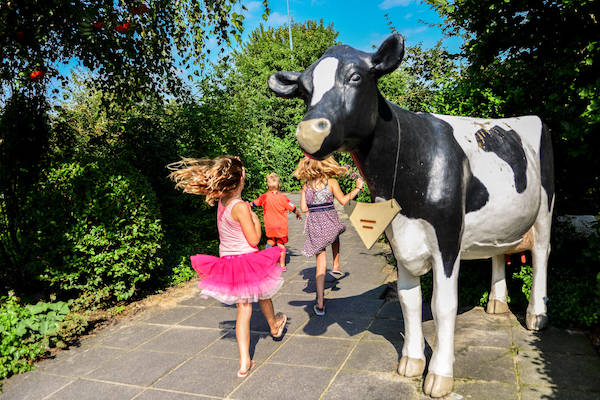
477, 195
508, 146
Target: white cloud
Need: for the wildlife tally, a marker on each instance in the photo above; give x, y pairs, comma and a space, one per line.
276, 19
413, 31
387, 4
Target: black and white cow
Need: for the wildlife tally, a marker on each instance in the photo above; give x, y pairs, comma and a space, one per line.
469, 188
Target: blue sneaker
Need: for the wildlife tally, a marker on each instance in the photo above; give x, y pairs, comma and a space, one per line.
319, 311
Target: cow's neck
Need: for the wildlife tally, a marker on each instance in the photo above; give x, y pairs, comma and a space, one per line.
376, 158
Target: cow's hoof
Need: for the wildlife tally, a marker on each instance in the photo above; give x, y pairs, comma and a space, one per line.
438, 386
411, 367
496, 306
536, 322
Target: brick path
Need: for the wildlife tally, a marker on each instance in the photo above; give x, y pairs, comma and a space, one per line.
189, 351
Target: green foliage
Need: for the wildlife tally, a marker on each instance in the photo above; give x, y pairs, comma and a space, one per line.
105, 234
134, 46
525, 275
25, 332
24, 133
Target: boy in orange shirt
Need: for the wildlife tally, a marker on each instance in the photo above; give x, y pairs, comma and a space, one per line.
275, 206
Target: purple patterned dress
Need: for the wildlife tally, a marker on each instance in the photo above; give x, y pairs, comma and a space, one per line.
322, 225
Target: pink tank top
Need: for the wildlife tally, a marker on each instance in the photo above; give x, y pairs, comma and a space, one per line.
231, 236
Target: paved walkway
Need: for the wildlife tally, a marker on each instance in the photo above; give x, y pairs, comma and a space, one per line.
189, 351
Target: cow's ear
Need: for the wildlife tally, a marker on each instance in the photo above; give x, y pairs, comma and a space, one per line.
284, 83
389, 55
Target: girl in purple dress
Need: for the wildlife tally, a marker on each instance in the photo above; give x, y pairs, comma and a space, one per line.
322, 227
242, 274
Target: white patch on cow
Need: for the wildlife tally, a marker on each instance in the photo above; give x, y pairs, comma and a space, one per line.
323, 78
435, 189
507, 215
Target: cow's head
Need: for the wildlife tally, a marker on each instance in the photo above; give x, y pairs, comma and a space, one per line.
341, 95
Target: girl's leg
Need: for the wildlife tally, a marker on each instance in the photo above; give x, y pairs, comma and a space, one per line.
335, 249
282, 257
275, 321
242, 334
320, 277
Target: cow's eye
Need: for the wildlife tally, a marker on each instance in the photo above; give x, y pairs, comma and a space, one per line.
355, 77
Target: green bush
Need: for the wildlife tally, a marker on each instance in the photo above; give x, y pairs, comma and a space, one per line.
25, 332
93, 227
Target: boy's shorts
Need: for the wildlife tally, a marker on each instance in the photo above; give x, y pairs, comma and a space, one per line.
279, 240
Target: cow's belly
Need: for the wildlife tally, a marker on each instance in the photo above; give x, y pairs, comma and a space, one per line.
505, 218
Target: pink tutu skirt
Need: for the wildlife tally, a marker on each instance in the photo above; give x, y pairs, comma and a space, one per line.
240, 278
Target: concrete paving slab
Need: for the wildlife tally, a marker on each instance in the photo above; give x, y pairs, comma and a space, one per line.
155, 394
334, 326
32, 386
484, 363
545, 393
385, 329
484, 390
290, 382
130, 336
81, 363
197, 301
313, 351
138, 367
500, 337
261, 346
552, 340
170, 316
212, 317
183, 340
211, 376
559, 371
95, 391
370, 385
375, 356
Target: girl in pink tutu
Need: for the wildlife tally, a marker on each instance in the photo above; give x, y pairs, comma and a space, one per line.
242, 274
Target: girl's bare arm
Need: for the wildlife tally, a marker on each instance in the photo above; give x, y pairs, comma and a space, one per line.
303, 205
339, 195
249, 221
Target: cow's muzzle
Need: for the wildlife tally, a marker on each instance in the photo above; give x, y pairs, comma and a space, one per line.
311, 133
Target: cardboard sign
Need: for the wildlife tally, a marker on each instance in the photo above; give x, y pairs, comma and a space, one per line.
371, 219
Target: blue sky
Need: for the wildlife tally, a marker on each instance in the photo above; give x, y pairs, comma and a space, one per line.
360, 23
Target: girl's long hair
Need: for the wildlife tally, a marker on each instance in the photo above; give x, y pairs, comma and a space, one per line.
309, 169
212, 178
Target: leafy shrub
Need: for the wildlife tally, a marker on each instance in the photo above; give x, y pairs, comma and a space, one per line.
94, 226
25, 331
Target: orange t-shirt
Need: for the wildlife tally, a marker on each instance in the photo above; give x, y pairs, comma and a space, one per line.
275, 206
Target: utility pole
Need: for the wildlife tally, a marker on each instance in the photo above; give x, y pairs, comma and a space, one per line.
290, 30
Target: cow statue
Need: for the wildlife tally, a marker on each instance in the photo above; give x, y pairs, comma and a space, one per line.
469, 188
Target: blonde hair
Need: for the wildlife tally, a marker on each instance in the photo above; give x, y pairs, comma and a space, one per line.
212, 178
273, 182
309, 169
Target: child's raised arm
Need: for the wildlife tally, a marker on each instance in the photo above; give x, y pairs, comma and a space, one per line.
339, 195
303, 205
249, 221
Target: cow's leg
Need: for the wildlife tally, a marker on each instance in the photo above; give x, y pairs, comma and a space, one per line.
444, 304
412, 362
497, 299
536, 310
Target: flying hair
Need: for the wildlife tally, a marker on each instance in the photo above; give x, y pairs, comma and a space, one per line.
309, 169
212, 178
